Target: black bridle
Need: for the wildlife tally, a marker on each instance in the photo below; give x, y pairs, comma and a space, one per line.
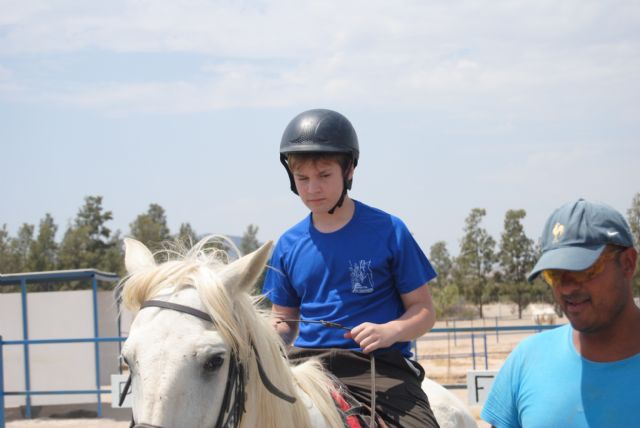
232, 407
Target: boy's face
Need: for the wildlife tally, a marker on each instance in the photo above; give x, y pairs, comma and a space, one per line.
319, 183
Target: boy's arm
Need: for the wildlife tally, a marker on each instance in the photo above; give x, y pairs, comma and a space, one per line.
418, 318
286, 329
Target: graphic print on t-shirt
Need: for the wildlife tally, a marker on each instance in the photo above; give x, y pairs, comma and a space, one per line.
361, 277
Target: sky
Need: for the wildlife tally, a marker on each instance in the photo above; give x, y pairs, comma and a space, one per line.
457, 104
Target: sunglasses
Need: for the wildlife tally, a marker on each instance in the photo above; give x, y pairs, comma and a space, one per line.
554, 277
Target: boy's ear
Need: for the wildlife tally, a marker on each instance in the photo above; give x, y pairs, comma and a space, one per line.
350, 172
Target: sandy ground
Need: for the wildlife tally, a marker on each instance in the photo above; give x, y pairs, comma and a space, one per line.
96, 423
68, 423
441, 354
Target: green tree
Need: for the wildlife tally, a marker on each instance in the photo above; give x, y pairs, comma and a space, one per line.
151, 228
476, 260
446, 294
633, 217
6, 258
20, 247
249, 241
43, 253
441, 261
186, 235
9, 262
516, 260
88, 242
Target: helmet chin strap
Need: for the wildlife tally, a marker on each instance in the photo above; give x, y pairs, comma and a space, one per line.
346, 185
341, 200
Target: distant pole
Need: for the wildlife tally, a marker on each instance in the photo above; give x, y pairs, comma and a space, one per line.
25, 336
1, 385
96, 334
473, 349
455, 341
448, 350
486, 354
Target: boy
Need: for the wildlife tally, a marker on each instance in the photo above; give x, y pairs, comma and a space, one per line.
353, 266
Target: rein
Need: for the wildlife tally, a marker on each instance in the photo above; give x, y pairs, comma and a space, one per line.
372, 359
235, 379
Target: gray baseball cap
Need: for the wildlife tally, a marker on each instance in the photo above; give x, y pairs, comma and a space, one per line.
576, 234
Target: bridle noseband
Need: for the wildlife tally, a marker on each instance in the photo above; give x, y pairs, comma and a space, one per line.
236, 378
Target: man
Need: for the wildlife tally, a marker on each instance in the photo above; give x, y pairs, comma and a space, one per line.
586, 374
349, 267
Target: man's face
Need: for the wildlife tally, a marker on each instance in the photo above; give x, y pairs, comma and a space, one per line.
319, 184
594, 304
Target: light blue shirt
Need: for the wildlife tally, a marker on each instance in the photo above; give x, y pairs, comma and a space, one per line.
545, 383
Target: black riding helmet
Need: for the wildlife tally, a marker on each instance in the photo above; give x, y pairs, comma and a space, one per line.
319, 131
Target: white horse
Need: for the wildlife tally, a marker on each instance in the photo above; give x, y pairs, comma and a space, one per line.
202, 355
542, 313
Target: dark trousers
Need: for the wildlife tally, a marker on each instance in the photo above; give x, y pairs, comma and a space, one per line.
400, 400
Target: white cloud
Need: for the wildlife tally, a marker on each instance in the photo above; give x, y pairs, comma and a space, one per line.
5, 73
287, 52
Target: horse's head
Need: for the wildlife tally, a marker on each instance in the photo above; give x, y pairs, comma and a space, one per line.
180, 362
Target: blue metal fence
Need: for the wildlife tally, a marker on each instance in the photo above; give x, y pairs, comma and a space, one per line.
475, 332
23, 279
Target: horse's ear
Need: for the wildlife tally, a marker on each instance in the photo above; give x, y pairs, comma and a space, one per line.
137, 256
243, 273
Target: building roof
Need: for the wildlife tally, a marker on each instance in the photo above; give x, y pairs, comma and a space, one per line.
57, 276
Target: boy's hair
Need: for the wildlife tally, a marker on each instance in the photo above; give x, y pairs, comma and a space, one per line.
345, 160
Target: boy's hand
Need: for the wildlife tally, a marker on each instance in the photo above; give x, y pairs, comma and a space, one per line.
372, 336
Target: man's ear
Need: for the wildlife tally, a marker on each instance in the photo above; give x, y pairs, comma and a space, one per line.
628, 261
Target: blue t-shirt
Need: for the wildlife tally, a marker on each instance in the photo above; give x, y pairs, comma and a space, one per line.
546, 383
349, 276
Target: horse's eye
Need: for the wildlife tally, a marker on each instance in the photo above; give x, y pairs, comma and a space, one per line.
213, 363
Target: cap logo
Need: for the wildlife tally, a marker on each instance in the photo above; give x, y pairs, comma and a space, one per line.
558, 231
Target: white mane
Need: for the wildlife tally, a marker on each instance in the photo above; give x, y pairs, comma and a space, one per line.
240, 323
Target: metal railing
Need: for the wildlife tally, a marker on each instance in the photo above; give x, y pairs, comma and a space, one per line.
22, 280
28, 392
459, 333
473, 333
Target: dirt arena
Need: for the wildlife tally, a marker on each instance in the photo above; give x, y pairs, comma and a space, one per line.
446, 358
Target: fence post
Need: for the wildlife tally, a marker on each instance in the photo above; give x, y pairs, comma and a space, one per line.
455, 340
96, 334
473, 349
25, 336
497, 335
1, 384
486, 354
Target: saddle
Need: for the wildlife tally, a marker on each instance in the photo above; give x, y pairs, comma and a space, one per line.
354, 413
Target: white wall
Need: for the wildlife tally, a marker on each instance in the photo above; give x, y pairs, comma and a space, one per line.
58, 315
